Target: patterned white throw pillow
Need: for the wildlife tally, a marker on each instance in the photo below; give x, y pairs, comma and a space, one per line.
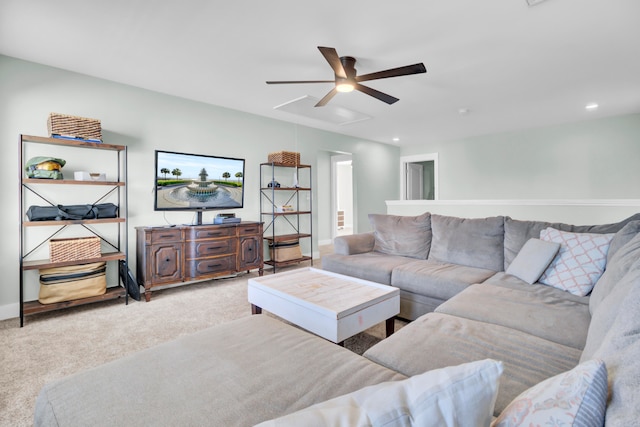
574, 398
454, 396
580, 261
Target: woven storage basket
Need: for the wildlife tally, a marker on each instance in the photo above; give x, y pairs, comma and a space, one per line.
285, 251
77, 127
285, 157
74, 249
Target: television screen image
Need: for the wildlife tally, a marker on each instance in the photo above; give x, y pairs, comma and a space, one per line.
198, 182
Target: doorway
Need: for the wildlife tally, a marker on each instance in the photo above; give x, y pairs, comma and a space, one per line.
419, 177
342, 195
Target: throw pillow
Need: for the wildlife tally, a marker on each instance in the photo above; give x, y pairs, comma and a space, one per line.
462, 395
580, 261
533, 259
408, 236
574, 398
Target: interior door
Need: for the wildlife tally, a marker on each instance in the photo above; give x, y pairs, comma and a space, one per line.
414, 181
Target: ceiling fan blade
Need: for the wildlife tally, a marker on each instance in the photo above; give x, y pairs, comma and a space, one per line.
394, 72
326, 98
376, 94
286, 82
333, 59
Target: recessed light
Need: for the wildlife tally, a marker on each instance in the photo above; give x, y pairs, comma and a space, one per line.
591, 106
396, 139
463, 111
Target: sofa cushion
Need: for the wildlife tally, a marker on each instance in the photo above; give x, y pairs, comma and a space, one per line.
546, 315
263, 367
617, 268
373, 266
437, 279
533, 259
413, 305
607, 310
431, 399
623, 237
619, 350
574, 398
437, 340
402, 235
474, 242
580, 261
508, 281
517, 232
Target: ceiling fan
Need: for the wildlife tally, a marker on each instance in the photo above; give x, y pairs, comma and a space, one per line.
347, 80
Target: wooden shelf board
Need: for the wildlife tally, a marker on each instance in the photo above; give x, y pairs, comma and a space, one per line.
285, 165
284, 237
33, 307
72, 142
290, 262
45, 263
286, 213
70, 222
286, 188
71, 182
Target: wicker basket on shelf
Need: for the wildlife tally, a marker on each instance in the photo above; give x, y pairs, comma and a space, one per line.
290, 158
74, 249
285, 251
74, 126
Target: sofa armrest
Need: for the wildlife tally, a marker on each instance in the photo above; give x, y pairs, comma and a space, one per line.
354, 244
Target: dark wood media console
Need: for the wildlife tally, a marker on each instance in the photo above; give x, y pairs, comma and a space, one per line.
186, 253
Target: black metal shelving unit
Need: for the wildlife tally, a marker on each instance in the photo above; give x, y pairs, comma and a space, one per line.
294, 224
117, 247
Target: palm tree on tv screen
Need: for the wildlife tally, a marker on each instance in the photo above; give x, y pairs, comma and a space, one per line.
226, 175
238, 175
177, 172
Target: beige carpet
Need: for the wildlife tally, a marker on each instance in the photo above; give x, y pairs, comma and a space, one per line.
54, 345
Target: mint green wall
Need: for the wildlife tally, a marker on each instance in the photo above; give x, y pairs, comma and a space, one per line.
595, 159
145, 121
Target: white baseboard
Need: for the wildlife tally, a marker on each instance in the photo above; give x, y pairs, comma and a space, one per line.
9, 311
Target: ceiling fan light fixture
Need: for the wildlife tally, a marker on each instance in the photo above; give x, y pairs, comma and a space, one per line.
344, 87
347, 80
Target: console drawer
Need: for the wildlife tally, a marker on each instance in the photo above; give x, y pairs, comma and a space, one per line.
204, 267
199, 232
250, 229
208, 248
160, 235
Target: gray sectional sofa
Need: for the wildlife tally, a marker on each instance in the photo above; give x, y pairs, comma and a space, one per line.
466, 306
431, 258
484, 331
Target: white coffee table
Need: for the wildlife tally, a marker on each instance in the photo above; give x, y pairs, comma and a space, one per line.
328, 304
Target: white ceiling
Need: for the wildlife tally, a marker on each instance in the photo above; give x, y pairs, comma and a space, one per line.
513, 66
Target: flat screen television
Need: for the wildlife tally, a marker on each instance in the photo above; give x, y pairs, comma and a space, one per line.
197, 182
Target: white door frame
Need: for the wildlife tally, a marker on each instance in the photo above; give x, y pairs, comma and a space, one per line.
417, 159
